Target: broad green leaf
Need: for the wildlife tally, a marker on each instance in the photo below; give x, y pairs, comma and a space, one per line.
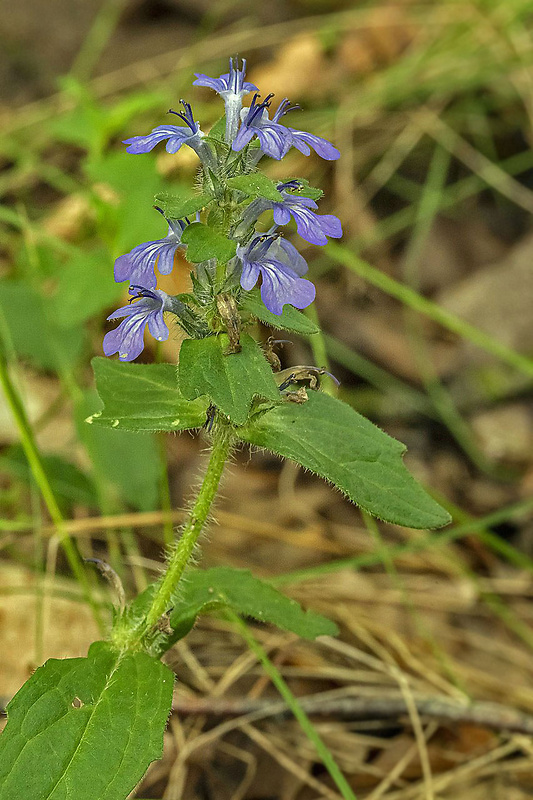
256, 185
328, 437
85, 287
126, 463
230, 381
204, 243
205, 590
214, 589
289, 320
34, 333
85, 728
176, 207
143, 397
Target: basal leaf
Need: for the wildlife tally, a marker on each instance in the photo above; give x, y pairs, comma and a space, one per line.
178, 207
289, 320
328, 437
143, 397
256, 185
85, 728
204, 243
229, 381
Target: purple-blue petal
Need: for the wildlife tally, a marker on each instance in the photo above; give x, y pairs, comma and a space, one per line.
250, 274
282, 215
303, 141
218, 84
143, 144
281, 285
243, 137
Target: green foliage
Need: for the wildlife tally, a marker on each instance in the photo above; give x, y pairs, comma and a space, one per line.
289, 320
204, 243
328, 437
218, 131
34, 333
128, 461
143, 397
230, 381
256, 185
178, 207
85, 728
218, 588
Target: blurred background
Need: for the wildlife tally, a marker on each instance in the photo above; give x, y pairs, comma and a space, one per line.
425, 306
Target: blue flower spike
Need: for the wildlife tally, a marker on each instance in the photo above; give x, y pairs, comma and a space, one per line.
232, 87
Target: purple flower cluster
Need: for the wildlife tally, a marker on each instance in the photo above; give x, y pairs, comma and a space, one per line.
260, 256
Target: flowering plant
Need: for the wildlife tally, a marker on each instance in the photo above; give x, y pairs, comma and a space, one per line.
111, 708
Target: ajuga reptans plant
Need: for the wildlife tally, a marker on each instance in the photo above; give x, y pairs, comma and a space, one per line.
88, 728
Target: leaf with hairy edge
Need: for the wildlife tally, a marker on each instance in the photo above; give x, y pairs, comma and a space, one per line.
328, 437
85, 728
289, 320
204, 243
175, 207
224, 587
256, 185
231, 381
143, 397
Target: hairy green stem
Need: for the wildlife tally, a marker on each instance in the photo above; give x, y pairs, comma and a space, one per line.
184, 549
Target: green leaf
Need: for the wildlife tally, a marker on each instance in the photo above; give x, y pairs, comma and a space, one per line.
143, 397
328, 437
206, 590
176, 207
126, 463
85, 728
230, 381
289, 320
209, 590
256, 185
218, 131
204, 243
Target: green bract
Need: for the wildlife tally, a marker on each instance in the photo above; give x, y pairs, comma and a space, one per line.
229, 380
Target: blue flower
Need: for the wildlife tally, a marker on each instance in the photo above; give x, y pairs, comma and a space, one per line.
280, 266
175, 137
138, 265
274, 139
231, 82
145, 308
277, 139
314, 228
232, 87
